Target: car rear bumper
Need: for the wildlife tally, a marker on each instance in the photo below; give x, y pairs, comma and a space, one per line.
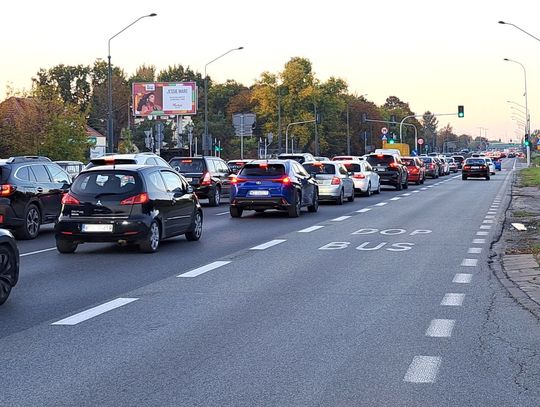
479, 174
130, 230
10, 220
329, 191
260, 203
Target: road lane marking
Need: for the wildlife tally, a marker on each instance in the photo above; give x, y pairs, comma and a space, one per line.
492, 213
485, 226
266, 245
38, 251
341, 218
453, 300
415, 192
440, 328
381, 204
201, 270
423, 189
469, 262
397, 198
474, 250
310, 229
482, 233
489, 216
423, 369
487, 221
94, 312
430, 186
363, 210
462, 278
479, 241
222, 213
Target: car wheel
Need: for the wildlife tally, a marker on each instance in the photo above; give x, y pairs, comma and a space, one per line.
488, 177
235, 212
8, 272
378, 191
423, 180
314, 207
65, 246
196, 231
399, 186
215, 199
406, 184
464, 177
151, 243
351, 198
341, 198
368, 190
32, 223
294, 208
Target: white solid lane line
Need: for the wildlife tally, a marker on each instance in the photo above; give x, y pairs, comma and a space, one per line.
469, 262
462, 278
474, 250
341, 218
453, 300
201, 270
93, 312
266, 245
423, 369
38, 251
440, 328
310, 229
363, 210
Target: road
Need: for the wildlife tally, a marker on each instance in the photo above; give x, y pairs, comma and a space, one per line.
387, 301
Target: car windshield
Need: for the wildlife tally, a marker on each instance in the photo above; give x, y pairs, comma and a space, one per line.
187, 165
262, 170
320, 168
106, 182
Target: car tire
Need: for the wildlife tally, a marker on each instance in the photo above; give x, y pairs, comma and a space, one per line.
196, 229
341, 198
399, 186
488, 177
294, 208
368, 190
423, 180
215, 199
235, 212
151, 243
314, 207
32, 223
378, 191
351, 198
406, 184
8, 272
65, 246
464, 177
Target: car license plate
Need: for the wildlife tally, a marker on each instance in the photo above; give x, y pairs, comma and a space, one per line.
189, 179
97, 228
258, 193
475, 168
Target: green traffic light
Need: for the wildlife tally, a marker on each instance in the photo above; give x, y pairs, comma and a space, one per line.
391, 141
461, 111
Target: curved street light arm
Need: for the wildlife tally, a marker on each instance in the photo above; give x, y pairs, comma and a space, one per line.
520, 29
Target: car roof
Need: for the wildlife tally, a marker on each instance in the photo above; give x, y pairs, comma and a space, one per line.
121, 167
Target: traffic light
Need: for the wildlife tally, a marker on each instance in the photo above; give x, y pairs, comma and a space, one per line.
460, 111
526, 141
391, 140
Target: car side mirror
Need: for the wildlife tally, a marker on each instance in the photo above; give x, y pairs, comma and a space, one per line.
189, 189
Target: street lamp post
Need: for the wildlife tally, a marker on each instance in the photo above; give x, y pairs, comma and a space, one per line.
206, 96
110, 126
520, 29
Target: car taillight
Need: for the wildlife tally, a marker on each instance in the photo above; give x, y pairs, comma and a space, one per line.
69, 199
7, 189
413, 170
285, 180
142, 198
467, 167
359, 175
392, 165
431, 166
206, 179
336, 181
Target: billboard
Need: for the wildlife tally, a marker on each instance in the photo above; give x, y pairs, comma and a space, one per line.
164, 98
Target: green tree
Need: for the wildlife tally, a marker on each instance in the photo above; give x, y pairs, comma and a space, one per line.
429, 129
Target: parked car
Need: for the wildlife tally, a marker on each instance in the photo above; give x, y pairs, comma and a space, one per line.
415, 168
9, 264
128, 204
390, 169
145, 158
236, 165
299, 157
273, 184
475, 167
73, 168
366, 181
335, 183
209, 176
31, 190
431, 166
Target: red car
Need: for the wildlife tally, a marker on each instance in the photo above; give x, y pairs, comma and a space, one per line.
415, 168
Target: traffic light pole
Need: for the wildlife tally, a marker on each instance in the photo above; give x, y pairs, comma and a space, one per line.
405, 124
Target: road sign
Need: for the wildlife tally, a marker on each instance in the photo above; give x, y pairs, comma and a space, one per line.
420, 141
384, 138
384, 130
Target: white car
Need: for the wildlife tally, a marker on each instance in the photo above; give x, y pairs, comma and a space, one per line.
491, 165
366, 181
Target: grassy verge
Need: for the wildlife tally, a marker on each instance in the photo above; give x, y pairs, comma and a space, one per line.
530, 177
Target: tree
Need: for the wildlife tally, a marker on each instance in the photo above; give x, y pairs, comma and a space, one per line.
429, 129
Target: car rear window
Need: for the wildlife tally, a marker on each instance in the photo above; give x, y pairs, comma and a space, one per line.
353, 167
475, 161
409, 162
320, 168
380, 159
107, 182
103, 161
258, 170
426, 159
188, 165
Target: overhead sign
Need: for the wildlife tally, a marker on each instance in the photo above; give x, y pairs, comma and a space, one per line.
164, 99
243, 123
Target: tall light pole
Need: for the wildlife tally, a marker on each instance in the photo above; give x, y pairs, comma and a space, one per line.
527, 116
110, 126
520, 29
206, 96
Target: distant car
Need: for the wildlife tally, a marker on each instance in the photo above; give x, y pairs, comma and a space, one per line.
491, 165
209, 176
145, 158
415, 168
459, 160
366, 181
452, 164
347, 158
129, 204
333, 180
9, 264
475, 167
390, 169
321, 158
431, 166
273, 184
73, 168
236, 165
498, 164
298, 157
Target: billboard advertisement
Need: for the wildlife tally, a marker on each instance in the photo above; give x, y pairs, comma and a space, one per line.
164, 98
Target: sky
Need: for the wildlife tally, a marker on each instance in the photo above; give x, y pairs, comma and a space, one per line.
433, 55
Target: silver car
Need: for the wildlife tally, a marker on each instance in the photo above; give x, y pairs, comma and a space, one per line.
366, 181
335, 182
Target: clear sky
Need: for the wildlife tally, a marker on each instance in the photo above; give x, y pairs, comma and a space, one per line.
434, 55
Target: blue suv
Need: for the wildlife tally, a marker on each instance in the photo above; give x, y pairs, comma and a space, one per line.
273, 184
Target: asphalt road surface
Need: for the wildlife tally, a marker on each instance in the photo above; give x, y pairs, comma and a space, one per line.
387, 301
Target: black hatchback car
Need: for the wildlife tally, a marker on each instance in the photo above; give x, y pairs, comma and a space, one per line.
475, 167
209, 176
128, 204
391, 170
9, 264
31, 190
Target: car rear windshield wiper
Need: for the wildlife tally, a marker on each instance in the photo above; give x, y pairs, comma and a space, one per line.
105, 194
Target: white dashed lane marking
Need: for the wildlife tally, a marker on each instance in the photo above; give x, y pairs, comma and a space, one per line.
469, 262
363, 210
341, 218
37, 252
440, 328
474, 250
462, 278
482, 233
397, 198
94, 312
381, 204
310, 229
201, 270
479, 241
266, 245
453, 300
423, 369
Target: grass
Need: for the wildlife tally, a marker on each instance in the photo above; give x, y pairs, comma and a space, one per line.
522, 214
530, 177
